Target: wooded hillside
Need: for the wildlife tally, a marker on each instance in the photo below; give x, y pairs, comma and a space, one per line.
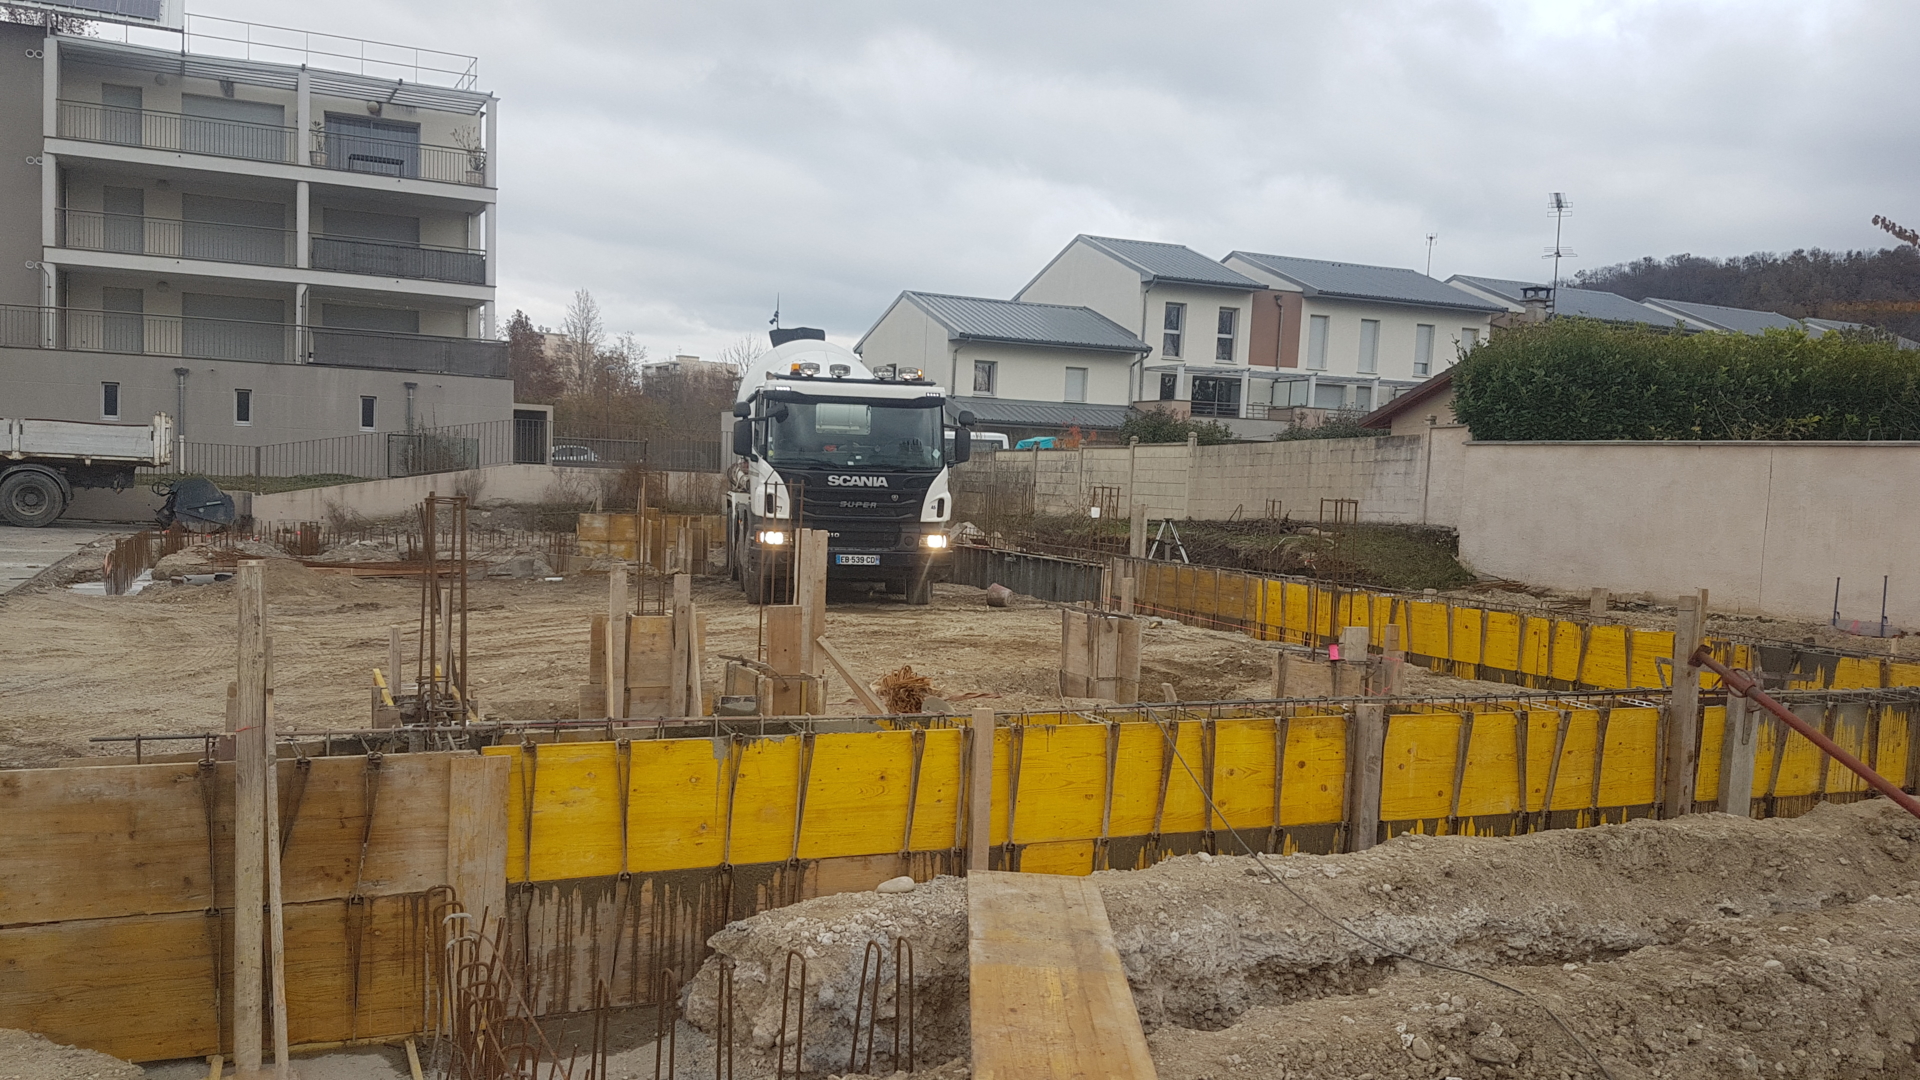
1879, 288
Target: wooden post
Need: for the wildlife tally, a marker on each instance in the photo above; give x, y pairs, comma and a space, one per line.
1683, 753
249, 816
617, 609
682, 661
1280, 662
1394, 662
393, 662
1352, 665
1597, 603
1738, 749
810, 593
276, 922
1127, 589
980, 791
825, 650
1137, 532
1366, 750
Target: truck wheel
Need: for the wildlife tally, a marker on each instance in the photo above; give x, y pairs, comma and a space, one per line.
920, 589
30, 499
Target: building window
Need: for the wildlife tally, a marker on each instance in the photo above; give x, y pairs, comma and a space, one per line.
366, 413
1223, 340
1469, 337
109, 401
1215, 396
1175, 321
984, 375
243, 406
1369, 346
1169, 386
1317, 342
1329, 396
1363, 398
1076, 384
1423, 349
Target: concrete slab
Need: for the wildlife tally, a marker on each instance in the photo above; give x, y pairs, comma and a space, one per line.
26, 552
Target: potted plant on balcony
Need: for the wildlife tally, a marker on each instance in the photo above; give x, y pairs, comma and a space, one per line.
318, 155
469, 140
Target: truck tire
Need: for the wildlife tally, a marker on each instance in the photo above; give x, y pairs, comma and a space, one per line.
30, 498
920, 589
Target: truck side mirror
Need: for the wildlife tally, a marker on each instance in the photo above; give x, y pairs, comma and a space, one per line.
742, 409
743, 438
965, 418
962, 445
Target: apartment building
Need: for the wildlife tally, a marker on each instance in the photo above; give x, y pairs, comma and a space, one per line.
1349, 336
269, 251
1192, 313
1021, 366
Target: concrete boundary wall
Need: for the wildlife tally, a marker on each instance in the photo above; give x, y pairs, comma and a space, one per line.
508, 483
1765, 527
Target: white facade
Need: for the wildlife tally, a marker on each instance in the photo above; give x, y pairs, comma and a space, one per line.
910, 336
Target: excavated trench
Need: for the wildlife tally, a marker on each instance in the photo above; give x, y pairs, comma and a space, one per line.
1707, 946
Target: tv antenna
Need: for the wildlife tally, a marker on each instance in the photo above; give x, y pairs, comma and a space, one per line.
1559, 207
1431, 237
775, 321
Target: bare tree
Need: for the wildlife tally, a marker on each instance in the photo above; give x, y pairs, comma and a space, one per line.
585, 334
741, 354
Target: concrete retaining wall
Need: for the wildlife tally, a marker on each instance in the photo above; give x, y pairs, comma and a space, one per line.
508, 483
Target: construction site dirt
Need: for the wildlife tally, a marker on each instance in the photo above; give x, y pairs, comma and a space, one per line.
158, 662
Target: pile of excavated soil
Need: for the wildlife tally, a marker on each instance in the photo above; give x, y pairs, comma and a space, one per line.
1673, 930
26, 1056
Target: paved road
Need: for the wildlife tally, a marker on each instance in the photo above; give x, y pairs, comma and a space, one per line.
26, 552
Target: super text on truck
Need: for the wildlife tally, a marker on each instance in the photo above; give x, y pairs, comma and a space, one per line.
821, 442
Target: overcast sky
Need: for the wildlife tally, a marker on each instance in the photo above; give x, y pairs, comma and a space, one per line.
687, 162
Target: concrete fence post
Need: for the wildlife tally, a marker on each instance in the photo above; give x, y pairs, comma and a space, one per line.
1682, 755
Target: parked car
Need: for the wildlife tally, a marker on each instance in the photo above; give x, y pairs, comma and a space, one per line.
563, 454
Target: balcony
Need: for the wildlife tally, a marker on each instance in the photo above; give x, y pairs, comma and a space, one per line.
339, 150
89, 230
82, 330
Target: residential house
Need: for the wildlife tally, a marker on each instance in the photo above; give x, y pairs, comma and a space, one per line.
1193, 315
1020, 368
1536, 299
1349, 336
1726, 319
269, 252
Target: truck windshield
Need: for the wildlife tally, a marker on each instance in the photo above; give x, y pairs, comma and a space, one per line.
856, 434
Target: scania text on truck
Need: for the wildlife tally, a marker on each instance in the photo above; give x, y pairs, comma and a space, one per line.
821, 442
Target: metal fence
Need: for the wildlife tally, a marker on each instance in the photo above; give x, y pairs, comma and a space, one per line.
88, 230
415, 261
449, 448
1044, 577
83, 330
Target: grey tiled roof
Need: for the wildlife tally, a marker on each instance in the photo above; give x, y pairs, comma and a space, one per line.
1739, 320
1058, 414
1581, 303
975, 318
1358, 281
1171, 262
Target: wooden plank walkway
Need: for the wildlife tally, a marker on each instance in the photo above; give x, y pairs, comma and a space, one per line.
1049, 997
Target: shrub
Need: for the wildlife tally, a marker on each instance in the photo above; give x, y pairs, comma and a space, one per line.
1577, 379
1162, 426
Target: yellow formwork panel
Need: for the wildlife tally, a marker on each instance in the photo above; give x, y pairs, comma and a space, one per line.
1606, 661
1852, 729
1713, 736
758, 814
1649, 648
1427, 629
1903, 674
1503, 641
1186, 800
1627, 779
1063, 783
1074, 857
857, 794
1243, 766
575, 823
1313, 791
937, 809
1422, 750
1491, 783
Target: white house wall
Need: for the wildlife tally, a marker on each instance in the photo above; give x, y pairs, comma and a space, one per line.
908, 335
1084, 276
1033, 373
1398, 325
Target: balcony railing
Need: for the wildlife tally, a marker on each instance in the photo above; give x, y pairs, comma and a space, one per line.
345, 151
83, 330
417, 261
89, 230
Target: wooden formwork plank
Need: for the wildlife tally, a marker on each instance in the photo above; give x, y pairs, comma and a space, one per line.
1048, 996
649, 668
87, 843
477, 833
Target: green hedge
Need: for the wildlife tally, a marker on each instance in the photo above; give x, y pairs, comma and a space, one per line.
1581, 379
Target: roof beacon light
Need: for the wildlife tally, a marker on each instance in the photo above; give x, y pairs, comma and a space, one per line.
912, 374
805, 369
839, 371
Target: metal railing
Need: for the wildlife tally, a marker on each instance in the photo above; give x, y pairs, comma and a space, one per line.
82, 330
345, 151
90, 230
588, 449
418, 261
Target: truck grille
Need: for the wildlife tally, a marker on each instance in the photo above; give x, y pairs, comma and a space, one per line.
861, 535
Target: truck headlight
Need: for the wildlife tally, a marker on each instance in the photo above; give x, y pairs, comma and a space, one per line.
773, 537
934, 540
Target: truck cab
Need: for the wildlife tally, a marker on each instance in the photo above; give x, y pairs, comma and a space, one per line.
822, 442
